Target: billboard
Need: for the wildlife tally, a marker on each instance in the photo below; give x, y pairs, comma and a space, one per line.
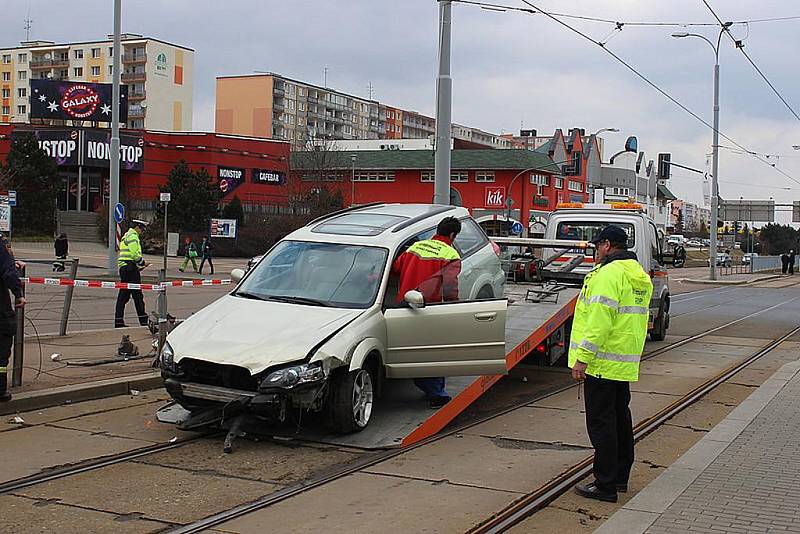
88, 147
223, 228
748, 210
229, 178
82, 101
63, 146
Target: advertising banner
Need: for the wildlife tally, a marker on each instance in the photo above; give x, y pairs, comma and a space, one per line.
97, 150
63, 146
84, 101
266, 176
229, 178
223, 228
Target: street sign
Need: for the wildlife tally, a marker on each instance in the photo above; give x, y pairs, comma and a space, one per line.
5, 214
796, 211
516, 228
119, 213
748, 210
165, 197
12, 198
223, 228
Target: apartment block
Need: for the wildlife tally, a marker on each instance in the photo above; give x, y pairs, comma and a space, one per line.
274, 106
158, 75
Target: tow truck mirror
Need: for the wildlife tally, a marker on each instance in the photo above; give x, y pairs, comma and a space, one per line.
237, 274
414, 299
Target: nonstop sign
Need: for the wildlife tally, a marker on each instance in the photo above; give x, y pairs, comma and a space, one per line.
264, 176
229, 178
91, 148
84, 101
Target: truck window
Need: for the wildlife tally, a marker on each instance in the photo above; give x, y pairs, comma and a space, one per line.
654, 244
586, 230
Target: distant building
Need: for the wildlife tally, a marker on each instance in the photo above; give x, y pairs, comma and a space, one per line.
158, 75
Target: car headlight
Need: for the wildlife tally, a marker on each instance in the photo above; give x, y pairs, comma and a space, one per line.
168, 357
294, 376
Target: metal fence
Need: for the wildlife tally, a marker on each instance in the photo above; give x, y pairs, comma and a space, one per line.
770, 263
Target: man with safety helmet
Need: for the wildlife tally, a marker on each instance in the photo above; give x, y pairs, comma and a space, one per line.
130, 263
608, 334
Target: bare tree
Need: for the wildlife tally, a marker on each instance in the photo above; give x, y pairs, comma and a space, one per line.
317, 178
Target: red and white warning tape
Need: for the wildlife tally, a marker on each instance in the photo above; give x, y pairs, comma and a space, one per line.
123, 285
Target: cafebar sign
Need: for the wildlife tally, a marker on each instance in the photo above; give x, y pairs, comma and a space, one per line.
87, 147
264, 176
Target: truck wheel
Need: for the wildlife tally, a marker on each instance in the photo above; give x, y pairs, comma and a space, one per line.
351, 401
660, 325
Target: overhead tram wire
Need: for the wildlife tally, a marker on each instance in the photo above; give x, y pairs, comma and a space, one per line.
657, 88
738, 44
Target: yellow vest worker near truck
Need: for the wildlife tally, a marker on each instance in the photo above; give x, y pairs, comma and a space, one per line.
608, 334
130, 263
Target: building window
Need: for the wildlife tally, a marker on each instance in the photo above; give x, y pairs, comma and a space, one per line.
374, 176
79, 53
63, 74
22, 92
426, 176
301, 121
462, 176
301, 106
575, 186
559, 183
7, 59
6, 93
22, 110
95, 53
301, 91
22, 58
110, 51
111, 70
290, 104
78, 72
95, 70
484, 176
540, 179
619, 191
6, 76
22, 75
6, 110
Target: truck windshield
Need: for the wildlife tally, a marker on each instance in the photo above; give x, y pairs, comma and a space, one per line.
586, 230
322, 274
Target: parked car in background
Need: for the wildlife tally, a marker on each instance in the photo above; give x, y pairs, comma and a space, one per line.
747, 259
696, 243
676, 239
723, 260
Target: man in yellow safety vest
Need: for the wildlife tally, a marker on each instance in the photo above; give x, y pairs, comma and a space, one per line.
608, 334
130, 263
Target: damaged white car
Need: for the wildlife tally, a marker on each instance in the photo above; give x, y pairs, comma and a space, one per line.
317, 324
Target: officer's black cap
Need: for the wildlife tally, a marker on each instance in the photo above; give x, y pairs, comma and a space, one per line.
614, 234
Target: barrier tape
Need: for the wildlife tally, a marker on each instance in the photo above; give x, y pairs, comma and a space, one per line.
123, 285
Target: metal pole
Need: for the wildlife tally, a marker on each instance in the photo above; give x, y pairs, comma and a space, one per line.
444, 103
73, 273
80, 186
19, 343
113, 178
714, 178
353, 181
166, 208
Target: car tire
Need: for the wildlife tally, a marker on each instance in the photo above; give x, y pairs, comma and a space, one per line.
660, 325
486, 292
351, 400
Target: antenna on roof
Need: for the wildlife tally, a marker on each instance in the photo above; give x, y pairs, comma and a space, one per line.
325, 77
28, 24
370, 90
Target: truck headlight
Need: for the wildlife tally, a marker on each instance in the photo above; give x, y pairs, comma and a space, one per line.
294, 376
168, 358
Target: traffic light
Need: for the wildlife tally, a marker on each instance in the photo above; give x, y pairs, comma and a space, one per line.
720, 223
663, 165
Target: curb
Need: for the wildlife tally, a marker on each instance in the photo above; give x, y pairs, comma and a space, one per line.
648, 505
47, 398
729, 282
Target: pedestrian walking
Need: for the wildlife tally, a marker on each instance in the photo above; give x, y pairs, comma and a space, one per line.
130, 264
792, 256
432, 267
61, 246
206, 250
784, 263
190, 254
9, 281
608, 334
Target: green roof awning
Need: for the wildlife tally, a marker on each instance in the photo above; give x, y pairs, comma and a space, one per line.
665, 193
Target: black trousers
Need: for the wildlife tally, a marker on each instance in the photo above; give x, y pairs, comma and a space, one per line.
610, 427
210, 264
8, 327
130, 273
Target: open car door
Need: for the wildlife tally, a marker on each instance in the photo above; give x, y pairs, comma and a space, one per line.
447, 339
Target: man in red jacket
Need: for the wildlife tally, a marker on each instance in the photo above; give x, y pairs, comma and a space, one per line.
432, 267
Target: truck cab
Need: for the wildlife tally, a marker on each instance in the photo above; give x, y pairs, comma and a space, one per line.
581, 222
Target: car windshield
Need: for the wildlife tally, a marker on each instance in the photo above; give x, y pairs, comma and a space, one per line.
586, 230
321, 274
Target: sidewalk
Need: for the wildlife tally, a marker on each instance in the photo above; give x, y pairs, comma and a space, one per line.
742, 477
700, 275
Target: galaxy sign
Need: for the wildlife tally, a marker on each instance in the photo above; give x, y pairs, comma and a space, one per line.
84, 101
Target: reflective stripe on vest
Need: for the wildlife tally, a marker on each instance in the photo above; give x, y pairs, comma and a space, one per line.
3, 370
433, 249
610, 356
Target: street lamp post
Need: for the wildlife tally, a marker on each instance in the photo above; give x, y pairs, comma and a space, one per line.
353, 180
113, 174
444, 103
712, 253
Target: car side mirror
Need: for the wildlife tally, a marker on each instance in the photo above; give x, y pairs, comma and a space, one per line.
414, 299
237, 275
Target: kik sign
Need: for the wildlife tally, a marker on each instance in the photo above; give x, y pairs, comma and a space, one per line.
494, 197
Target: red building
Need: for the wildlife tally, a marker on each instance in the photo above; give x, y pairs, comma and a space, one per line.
253, 169
482, 180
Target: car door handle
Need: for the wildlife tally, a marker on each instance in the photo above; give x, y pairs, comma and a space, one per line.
486, 316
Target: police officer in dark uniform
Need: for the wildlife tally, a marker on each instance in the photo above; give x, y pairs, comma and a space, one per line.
9, 281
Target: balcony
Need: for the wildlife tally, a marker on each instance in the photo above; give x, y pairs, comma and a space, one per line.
48, 63
278, 90
139, 57
136, 112
137, 95
129, 77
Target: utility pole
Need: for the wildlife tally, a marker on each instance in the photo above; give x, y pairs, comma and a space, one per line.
113, 178
444, 104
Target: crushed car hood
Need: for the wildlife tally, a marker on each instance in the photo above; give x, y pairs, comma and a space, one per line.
255, 334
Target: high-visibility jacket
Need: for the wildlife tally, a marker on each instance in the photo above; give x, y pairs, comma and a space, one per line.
610, 322
430, 266
130, 249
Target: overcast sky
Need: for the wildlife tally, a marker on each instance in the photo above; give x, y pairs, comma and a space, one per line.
509, 69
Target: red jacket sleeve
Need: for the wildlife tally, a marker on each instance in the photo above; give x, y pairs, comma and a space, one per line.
450, 280
397, 266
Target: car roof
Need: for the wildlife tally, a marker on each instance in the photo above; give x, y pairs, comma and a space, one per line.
386, 225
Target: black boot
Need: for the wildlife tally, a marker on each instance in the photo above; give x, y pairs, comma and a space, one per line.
591, 491
5, 396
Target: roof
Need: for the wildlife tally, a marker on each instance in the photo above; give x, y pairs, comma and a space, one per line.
129, 40
665, 193
490, 159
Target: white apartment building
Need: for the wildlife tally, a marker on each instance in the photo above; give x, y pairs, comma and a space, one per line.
158, 75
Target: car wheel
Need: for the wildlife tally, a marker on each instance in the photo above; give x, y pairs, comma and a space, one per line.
486, 292
351, 400
659, 331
